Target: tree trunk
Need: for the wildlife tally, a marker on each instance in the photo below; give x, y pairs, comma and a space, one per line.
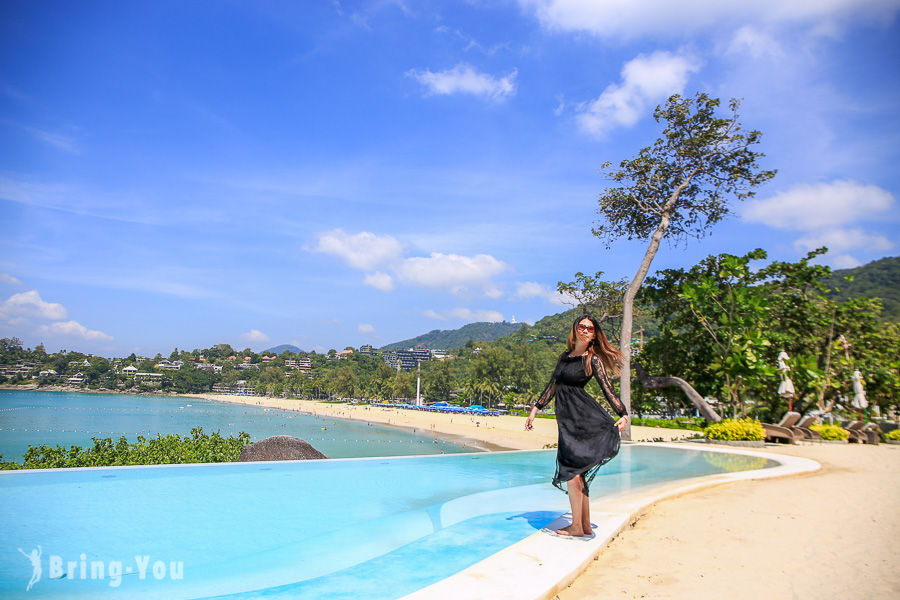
656, 383
631, 292
628, 317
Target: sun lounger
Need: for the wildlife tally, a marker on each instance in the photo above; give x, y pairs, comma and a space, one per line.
808, 434
782, 433
857, 435
871, 431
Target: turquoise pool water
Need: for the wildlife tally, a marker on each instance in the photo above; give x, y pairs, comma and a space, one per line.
56, 418
356, 528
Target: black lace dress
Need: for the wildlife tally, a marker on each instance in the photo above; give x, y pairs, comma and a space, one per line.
588, 436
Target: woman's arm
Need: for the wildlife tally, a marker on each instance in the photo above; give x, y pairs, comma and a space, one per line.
608, 391
543, 400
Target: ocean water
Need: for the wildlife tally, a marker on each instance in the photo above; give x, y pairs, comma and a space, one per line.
66, 419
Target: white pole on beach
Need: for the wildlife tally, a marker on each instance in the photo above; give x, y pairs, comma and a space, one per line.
418, 382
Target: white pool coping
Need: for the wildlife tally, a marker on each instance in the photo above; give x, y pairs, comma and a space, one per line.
541, 565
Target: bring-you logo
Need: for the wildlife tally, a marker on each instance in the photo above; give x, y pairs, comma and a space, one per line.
112, 570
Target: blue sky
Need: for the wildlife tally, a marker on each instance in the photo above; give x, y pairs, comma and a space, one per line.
335, 173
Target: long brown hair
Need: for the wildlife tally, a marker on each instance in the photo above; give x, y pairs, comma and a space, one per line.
599, 346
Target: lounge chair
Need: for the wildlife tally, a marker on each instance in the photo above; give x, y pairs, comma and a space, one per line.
857, 435
871, 430
782, 432
803, 428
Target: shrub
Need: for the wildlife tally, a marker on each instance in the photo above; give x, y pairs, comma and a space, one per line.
831, 432
893, 436
667, 423
731, 430
171, 449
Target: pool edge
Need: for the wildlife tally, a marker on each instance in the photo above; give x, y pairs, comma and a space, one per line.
541, 565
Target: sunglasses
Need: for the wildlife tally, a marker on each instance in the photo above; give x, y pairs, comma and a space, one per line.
587, 328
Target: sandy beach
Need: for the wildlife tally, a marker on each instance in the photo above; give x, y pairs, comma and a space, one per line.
491, 433
831, 534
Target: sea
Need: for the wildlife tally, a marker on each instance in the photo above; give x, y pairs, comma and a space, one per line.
67, 419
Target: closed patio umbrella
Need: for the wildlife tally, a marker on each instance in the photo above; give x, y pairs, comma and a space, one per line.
786, 389
859, 393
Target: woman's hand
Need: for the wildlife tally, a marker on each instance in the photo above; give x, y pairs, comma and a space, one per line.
622, 422
528, 423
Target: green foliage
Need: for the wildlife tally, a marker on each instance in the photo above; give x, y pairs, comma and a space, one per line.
878, 279
893, 435
735, 430
831, 432
171, 449
724, 321
685, 179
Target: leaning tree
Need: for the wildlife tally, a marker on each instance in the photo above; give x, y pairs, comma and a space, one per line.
677, 189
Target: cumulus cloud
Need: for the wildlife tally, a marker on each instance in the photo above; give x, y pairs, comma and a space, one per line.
812, 206
466, 314
7, 278
454, 273
363, 250
74, 329
254, 335
646, 80
29, 305
465, 79
842, 240
529, 289
365, 328
380, 281
624, 19
826, 213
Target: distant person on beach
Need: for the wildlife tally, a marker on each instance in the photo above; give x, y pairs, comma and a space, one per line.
588, 435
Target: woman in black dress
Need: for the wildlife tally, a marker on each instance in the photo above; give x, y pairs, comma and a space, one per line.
588, 435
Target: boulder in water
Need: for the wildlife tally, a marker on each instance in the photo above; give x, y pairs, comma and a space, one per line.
280, 447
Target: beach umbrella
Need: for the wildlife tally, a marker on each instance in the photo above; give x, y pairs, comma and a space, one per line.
859, 393
786, 389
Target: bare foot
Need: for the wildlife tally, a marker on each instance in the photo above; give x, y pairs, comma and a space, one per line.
588, 530
571, 531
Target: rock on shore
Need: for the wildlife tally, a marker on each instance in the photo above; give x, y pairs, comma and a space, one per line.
280, 447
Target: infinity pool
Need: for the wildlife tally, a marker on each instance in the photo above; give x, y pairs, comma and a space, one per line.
374, 528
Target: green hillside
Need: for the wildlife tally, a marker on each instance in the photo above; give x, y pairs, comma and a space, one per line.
878, 279
455, 338
282, 348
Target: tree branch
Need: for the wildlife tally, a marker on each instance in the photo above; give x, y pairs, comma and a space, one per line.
656, 383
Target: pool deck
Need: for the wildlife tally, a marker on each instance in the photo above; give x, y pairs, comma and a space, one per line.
543, 564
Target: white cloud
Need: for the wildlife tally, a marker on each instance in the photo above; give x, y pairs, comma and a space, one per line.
254, 335
7, 278
365, 328
464, 79
454, 273
624, 19
844, 261
363, 250
380, 281
30, 305
756, 43
466, 314
840, 240
811, 206
530, 289
75, 329
646, 80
